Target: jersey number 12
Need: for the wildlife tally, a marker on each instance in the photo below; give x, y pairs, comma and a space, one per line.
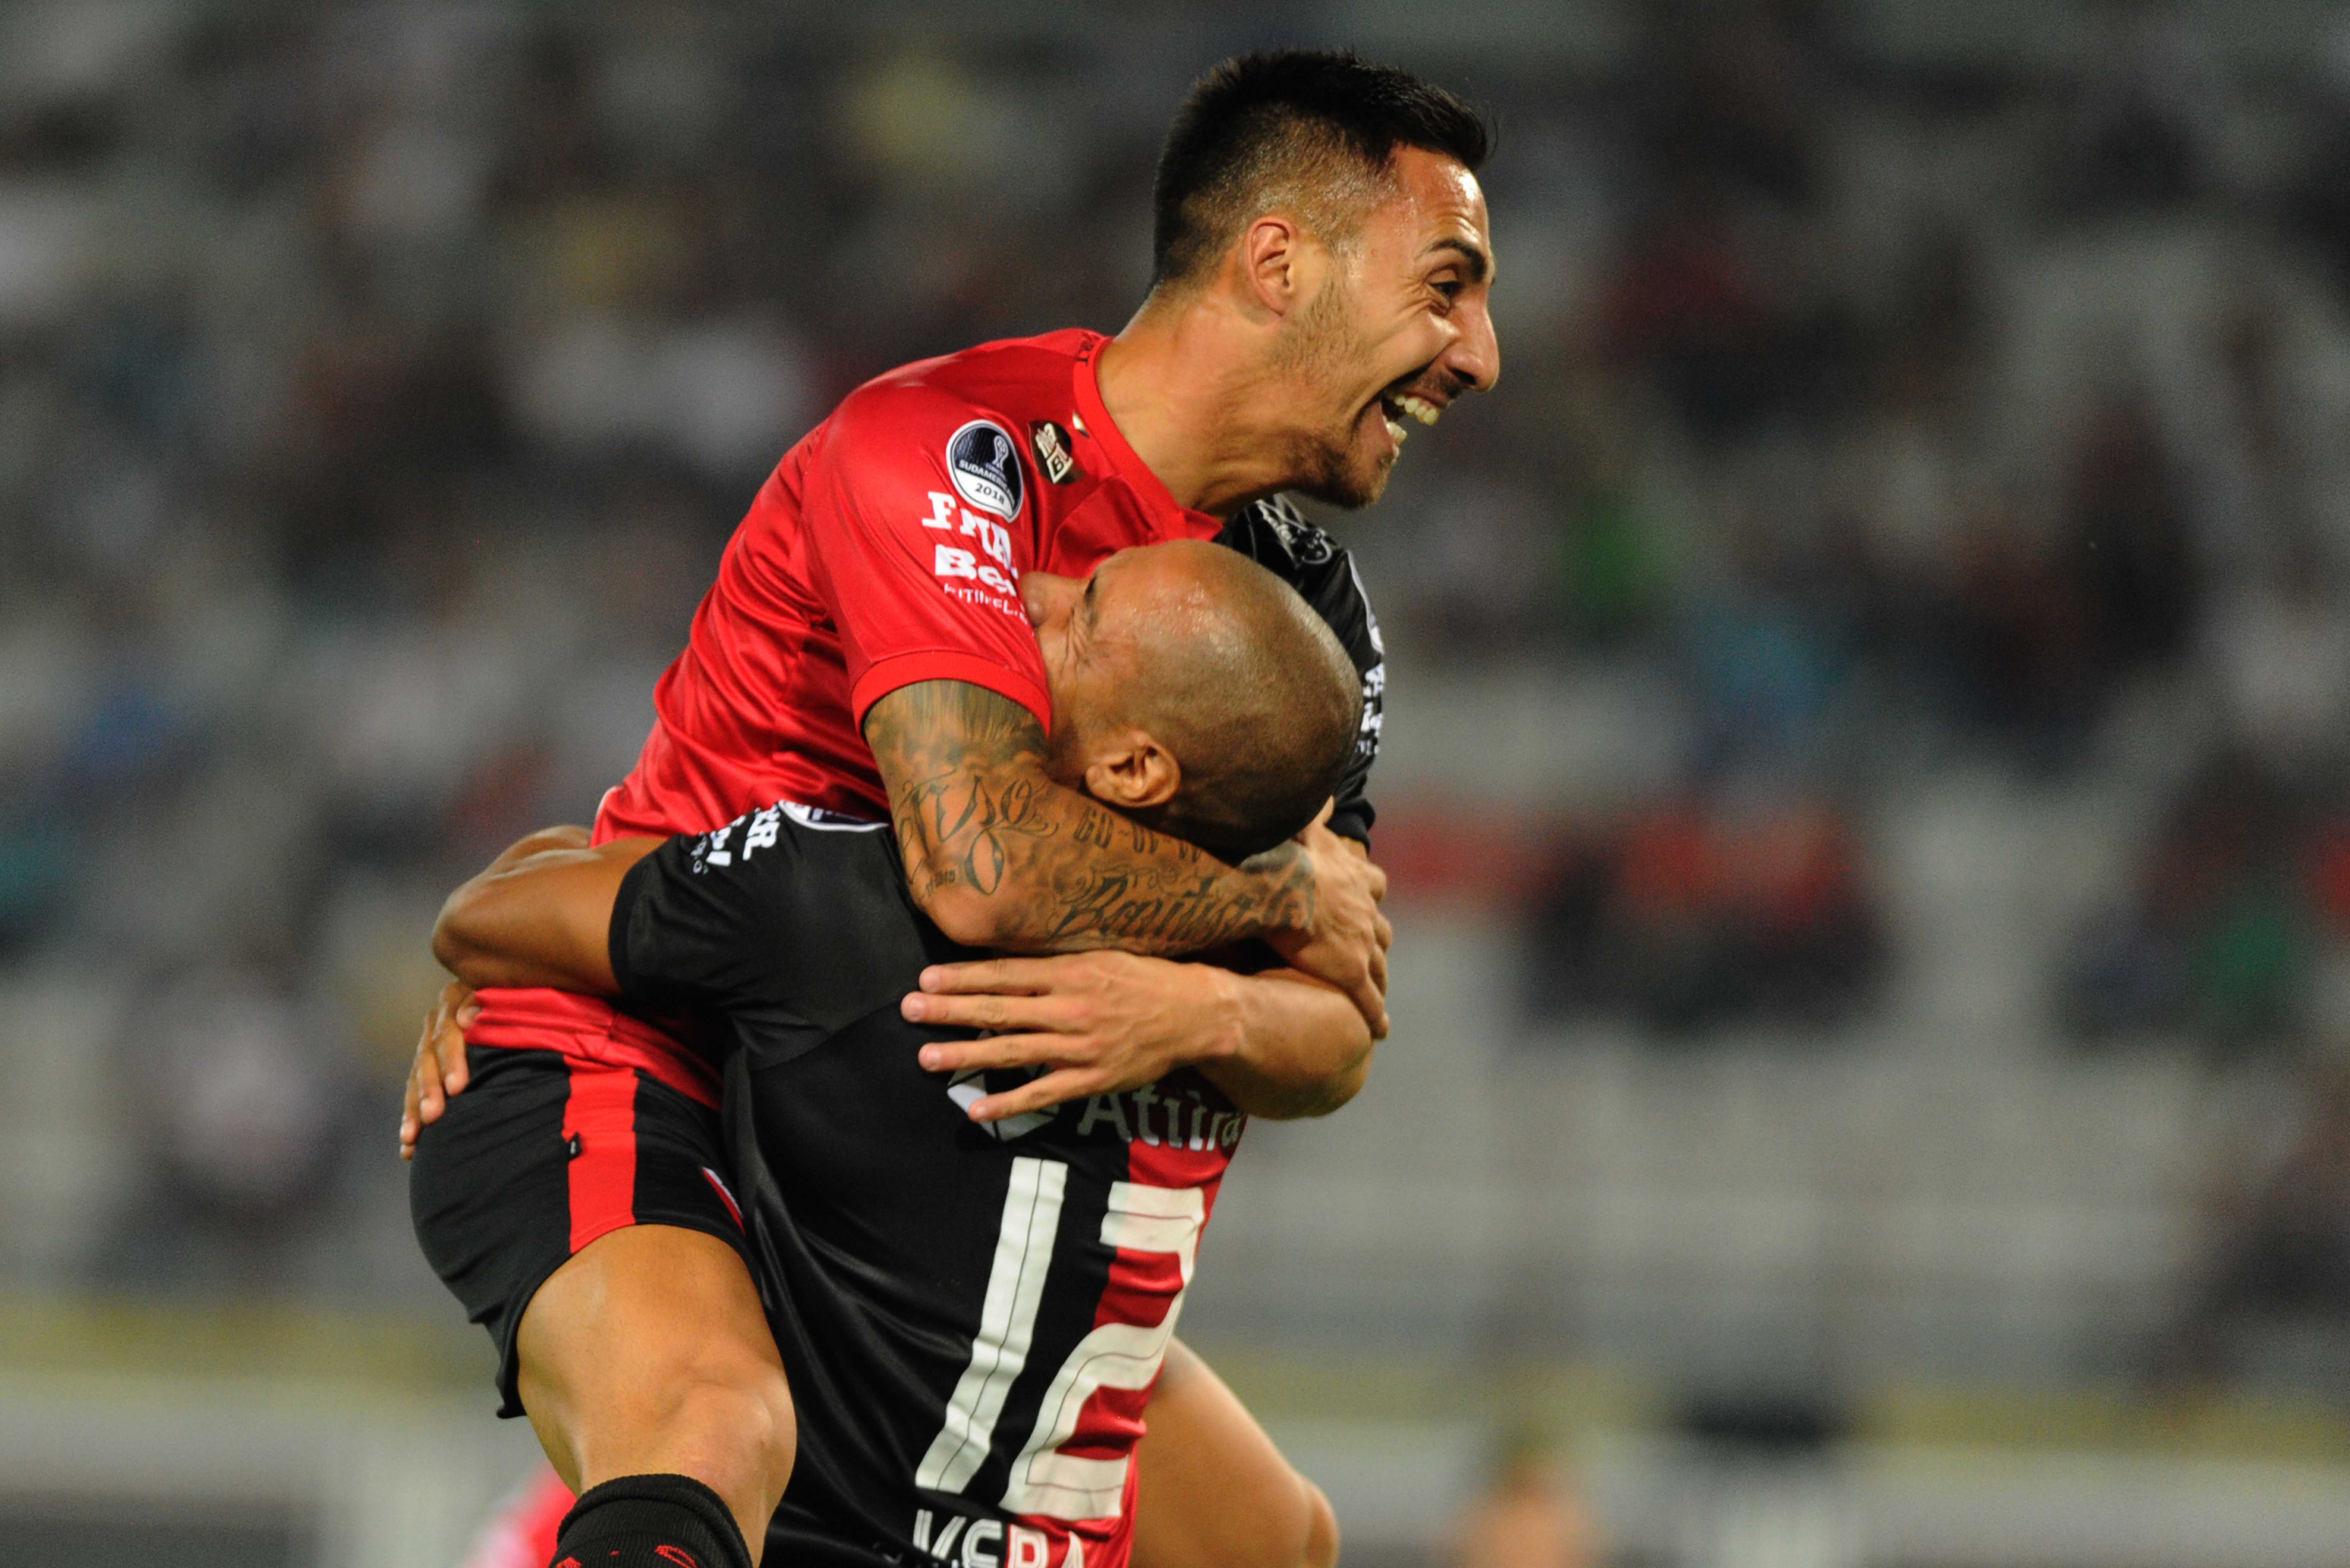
1043, 1481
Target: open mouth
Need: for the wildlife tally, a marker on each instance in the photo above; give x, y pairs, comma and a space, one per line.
1398, 407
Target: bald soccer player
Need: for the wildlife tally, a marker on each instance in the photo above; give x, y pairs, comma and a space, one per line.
975, 1316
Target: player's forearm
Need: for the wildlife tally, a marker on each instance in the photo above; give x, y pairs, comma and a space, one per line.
1001, 856
1070, 876
1303, 1048
563, 836
539, 914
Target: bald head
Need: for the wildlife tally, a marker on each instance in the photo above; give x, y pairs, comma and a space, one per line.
1225, 665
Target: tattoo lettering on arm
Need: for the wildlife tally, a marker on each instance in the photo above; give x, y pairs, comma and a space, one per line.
1001, 856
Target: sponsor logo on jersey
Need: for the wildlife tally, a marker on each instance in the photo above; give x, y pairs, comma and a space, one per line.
973, 1084
760, 829
1154, 1114
1158, 1114
988, 1543
1306, 544
949, 562
985, 467
1053, 454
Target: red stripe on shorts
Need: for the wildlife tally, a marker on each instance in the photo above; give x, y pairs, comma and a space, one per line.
600, 1129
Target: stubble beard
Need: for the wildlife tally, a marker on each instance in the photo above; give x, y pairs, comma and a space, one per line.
1323, 346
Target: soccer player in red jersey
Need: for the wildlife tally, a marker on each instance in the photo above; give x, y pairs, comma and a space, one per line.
1323, 266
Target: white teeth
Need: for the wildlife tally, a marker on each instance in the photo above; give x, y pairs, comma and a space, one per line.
1396, 432
1419, 408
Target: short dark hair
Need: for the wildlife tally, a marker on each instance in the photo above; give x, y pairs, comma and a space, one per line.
1299, 117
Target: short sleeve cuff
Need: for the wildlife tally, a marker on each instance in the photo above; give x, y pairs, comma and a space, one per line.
911, 668
624, 907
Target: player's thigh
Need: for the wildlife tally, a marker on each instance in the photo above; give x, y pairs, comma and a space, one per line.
631, 1329
1214, 1491
646, 1348
577, 1207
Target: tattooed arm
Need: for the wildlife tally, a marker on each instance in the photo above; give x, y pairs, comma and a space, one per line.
1001, 856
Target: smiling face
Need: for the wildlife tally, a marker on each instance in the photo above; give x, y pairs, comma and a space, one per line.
1398, 329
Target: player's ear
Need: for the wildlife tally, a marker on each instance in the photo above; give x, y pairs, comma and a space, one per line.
1272, 264
1134, 773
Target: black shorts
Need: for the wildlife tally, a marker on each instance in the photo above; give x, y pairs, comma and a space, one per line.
540, 1155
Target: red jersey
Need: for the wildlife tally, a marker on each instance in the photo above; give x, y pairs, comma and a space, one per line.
884, 550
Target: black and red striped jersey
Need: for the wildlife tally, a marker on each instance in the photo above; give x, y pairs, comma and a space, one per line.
972, 1317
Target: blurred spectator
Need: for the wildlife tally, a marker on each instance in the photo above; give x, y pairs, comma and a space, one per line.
725, 395
1612, 565
1614, 562
2144, 122
1689, 916
1736, 100
1766, 646
1686, 305
2127, 540
1459, 605
2216, 937
246, 1095
2278, 1251
2280, 649
2319, 208
1528, 1516
2023, 641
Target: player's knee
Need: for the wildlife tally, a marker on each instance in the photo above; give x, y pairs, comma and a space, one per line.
778, 1429
1321, 1528
737, 1412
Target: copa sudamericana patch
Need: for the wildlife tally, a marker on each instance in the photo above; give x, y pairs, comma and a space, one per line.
985, 468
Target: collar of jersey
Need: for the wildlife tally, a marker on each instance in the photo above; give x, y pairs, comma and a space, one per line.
1085, 380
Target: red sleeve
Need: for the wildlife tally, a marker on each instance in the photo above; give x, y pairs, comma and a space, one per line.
917, 513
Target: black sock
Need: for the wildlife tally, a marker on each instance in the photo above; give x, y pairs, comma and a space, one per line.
649, 1522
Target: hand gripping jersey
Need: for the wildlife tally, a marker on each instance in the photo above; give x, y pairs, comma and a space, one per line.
885, 550
972, 1317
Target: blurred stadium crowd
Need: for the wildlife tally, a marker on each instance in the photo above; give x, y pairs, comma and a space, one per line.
378, 385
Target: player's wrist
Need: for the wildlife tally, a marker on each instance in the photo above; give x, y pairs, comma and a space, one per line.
1224, 1036
1286, 873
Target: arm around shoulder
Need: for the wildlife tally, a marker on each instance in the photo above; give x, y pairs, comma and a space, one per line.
1001, 855
539, 914
1301, 1048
